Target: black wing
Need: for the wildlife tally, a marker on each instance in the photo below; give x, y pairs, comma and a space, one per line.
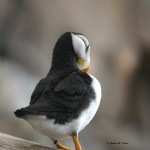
39, 89
65, 95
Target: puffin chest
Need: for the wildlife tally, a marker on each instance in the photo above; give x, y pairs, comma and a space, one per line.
88, 113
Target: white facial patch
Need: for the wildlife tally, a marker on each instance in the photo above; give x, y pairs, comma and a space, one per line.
87, 45
82, 49
78, 45
84, 39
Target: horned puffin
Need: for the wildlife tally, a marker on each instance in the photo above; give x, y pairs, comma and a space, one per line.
67, 99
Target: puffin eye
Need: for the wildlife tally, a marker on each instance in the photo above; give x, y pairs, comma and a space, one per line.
87, 47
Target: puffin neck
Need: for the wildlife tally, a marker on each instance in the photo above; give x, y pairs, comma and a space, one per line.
64, 60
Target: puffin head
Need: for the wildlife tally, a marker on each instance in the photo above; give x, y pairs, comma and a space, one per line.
72, 50
81, 48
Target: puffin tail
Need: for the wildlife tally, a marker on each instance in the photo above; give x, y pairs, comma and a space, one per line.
20, 113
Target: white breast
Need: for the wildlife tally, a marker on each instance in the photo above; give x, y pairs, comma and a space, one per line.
88, 114
57, 132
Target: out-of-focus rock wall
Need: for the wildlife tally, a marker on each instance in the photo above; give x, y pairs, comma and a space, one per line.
119, 35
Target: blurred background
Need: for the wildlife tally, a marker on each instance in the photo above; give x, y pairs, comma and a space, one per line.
119, 35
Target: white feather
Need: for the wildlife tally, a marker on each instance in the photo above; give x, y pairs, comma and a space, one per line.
56, 131
78, 45
84, 39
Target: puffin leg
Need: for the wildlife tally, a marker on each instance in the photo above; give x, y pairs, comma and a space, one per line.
76, 142
60, 146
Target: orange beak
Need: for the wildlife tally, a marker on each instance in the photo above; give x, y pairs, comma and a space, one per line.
87, 69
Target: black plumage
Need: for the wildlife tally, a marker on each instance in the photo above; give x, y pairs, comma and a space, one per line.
65, 91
